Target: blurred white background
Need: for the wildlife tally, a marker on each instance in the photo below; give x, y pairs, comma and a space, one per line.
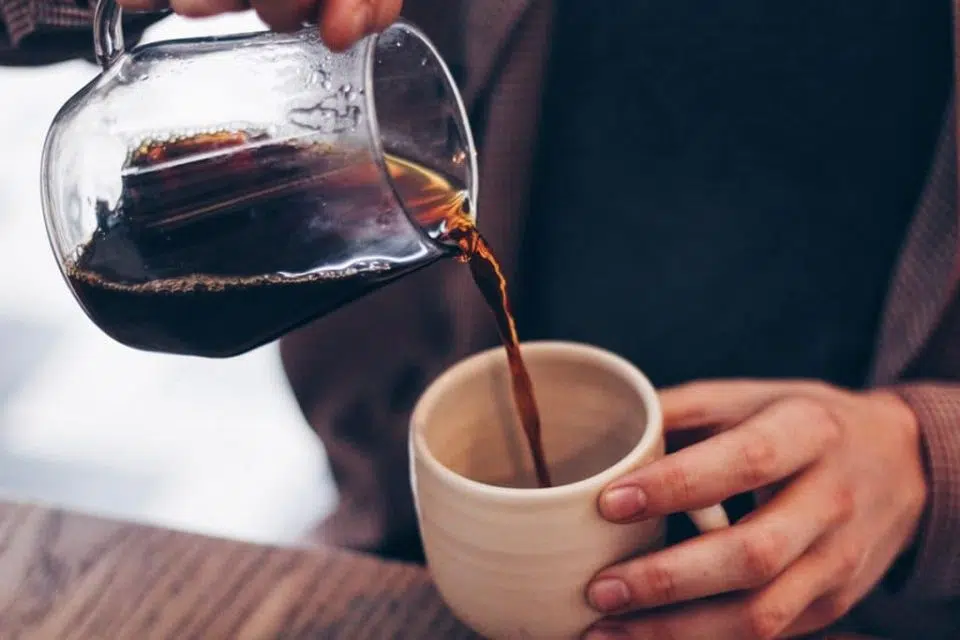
215, 447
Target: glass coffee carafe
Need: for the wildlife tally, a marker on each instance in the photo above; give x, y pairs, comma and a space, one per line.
205, 196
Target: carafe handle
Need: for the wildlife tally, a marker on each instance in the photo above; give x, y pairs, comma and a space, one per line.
107, 32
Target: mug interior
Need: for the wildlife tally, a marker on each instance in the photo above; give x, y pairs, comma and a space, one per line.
593, 407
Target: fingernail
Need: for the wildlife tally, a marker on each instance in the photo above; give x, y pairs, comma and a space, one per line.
623, 503
608, 594
607, 632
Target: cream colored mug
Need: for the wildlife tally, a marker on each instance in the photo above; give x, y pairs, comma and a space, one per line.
509, 559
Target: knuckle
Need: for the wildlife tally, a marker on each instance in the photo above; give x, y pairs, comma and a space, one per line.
763, 554
760, 461
843, 504
828, 429
835, 606
766, 620
848, 563
819, 389
675, 484
804, 410
811, 415
653, 585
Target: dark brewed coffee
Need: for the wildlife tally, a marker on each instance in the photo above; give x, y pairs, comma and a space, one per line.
213, 254
196, 258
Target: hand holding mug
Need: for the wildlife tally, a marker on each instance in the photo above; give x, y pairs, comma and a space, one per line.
844, 486
342, 22
512, 560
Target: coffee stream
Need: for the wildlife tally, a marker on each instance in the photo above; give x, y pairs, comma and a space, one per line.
148, 276
438, 199
493, 286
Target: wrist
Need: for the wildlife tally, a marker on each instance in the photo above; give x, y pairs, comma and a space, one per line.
935, 571
900, 417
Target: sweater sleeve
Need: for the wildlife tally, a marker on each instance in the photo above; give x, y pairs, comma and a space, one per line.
36, 32
934, 574
21, 18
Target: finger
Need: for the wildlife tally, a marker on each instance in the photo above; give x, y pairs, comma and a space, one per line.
385, 13
717, 620
143, 5
747, 556
206, 8
725, 403
772, 445
807, 597
798, 602
284, 15
344, 22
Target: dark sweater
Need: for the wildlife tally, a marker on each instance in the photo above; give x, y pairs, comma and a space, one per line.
723, 187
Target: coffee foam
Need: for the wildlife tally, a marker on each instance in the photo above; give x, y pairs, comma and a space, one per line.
205, 283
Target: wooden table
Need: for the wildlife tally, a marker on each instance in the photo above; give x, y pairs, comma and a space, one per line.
66, 576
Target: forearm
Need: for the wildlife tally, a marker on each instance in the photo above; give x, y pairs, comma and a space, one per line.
34, 32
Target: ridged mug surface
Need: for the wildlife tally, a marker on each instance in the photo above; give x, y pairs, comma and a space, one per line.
511, 560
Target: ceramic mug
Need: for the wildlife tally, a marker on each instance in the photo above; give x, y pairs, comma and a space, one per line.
509, 559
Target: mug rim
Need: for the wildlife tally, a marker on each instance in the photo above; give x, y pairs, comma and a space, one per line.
468, 367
